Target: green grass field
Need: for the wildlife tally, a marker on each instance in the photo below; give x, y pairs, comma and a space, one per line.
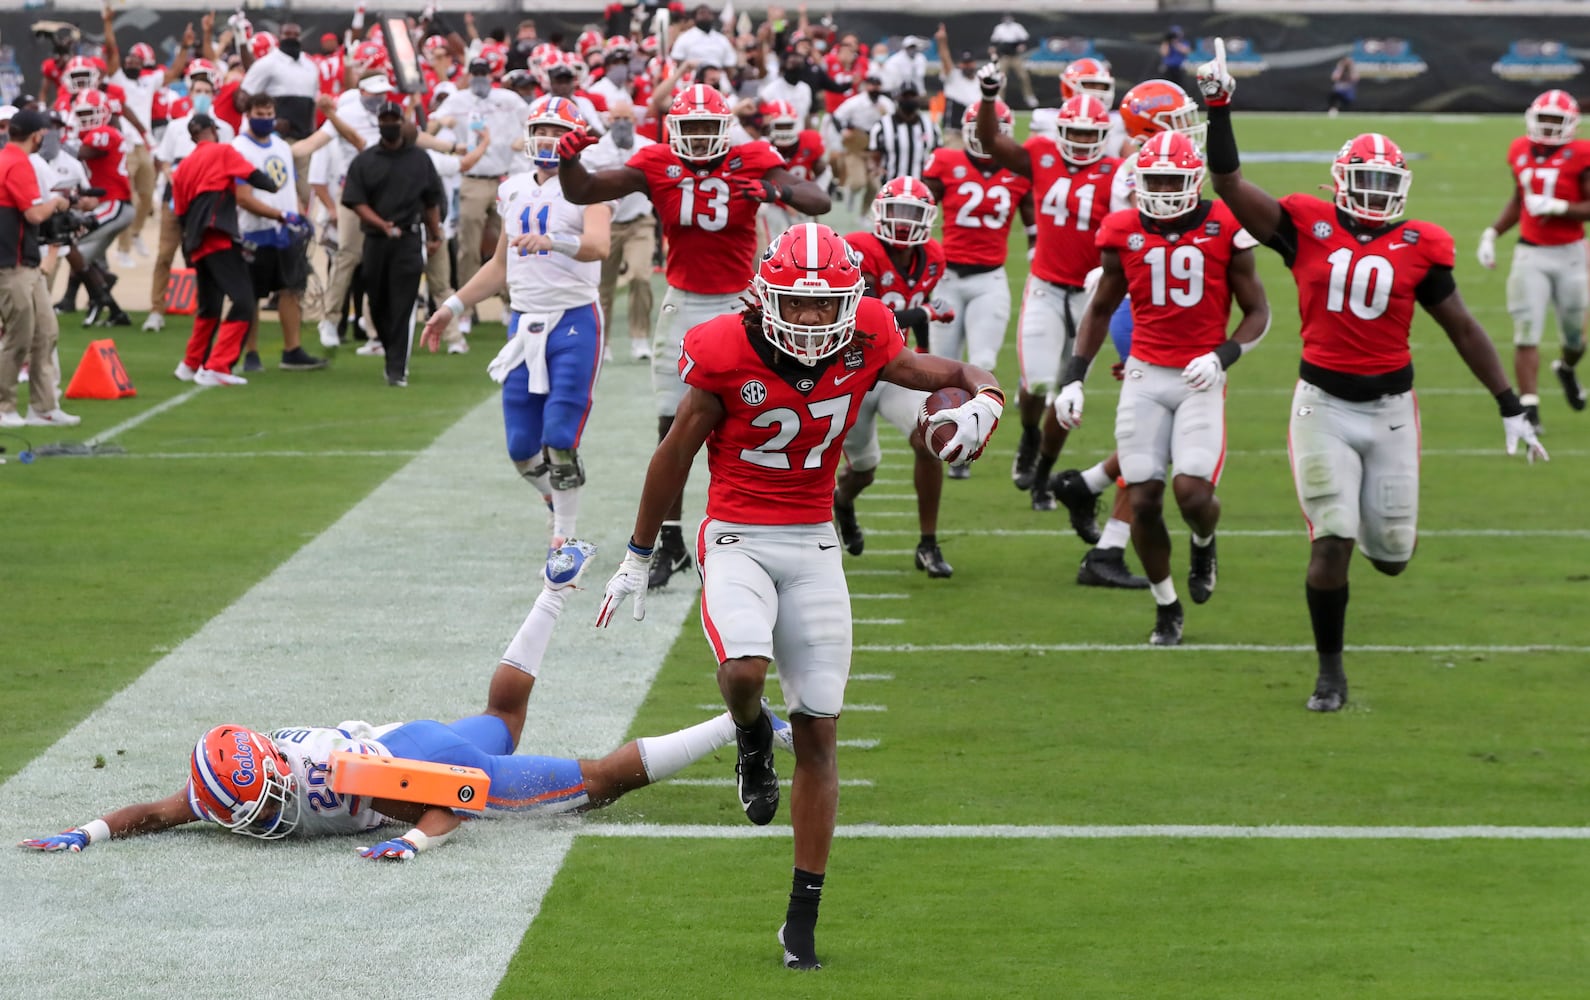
1006, 696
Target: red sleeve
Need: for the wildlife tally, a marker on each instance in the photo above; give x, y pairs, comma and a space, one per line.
21, 184
642, 159
50, 70
760, 156
935, 167
698, 360
877, 319
1299, 206
1113, 230
234, 164
1439, 248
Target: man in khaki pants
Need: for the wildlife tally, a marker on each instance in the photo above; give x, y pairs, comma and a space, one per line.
634, 234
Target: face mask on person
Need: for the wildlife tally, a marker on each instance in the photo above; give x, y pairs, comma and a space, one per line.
618, 73
291, 47
910, 105
480, 86
792, 76
201, 104
261, 127
391, 132
50, 145
623, 132
706, 24
372, 102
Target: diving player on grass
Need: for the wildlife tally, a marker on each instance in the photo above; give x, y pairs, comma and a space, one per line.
274, 785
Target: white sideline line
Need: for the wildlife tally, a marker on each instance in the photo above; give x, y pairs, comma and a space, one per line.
880, 597
877, 621
149, 414
730, 782
697, 831
1213, 647
872, 677
219, 455
1064, 531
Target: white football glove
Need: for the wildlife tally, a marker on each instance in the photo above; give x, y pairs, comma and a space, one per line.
990, 80
1068, 406
1204, 372
1518, 428
1539, 204
630, 579
1214, 80
974, 421
1486, 252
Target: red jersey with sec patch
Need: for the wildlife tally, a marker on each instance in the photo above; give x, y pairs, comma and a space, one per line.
710, 232
773, 456
108, 171
804, 160
1181, 299
1072, 203
976, 208
897, 289
1356, 296
1553, 171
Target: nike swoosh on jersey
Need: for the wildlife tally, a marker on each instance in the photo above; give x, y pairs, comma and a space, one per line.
1395, 246
825, 548
841, 379
1202, 239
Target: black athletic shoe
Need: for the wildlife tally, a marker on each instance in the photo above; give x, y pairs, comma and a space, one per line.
666, 564
300, 360
849, 528
1201, 577
65, 308
805, 963
929, 557
754, 775
1025, 468
1081, 503
1107, 568
1532, 412
1167, 625
116, 317
1042, 499
1570, 384
1330, 694
252, 363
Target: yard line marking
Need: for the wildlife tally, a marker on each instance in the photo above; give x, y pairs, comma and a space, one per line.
730, 782
709, 707
1424, 453
891, 513
858, 744
878, 621
149, 414
887, 496
876, 572
872, 677
1298, 532
1212, 647
217, 455
868, 831
892, 552
880, 597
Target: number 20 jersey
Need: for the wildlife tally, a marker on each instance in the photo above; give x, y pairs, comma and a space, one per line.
976, 207
773, 455
710, 231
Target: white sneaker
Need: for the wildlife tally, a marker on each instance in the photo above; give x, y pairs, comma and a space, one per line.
183, 372
465, 324
12, 420
154, 323
363, 325
371, 348
328, 334
23, 377
55, 418
459, 346
212, 378
639, 350
139, 247
125, 260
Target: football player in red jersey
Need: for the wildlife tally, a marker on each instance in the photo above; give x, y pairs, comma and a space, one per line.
104, 153
803, 153
902, 264
772, 391
1354, 434
1549, 203
707, 193
1184, 260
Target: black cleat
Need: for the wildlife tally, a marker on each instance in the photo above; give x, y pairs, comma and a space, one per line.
1025, 468
1201, 577
665, 565
849, 528
1167, 625
1080, 502
805, 963
1042, 499
114, 316
1532, 413
929, 557
1570, 383
1107, 568
1330, 694
754, 775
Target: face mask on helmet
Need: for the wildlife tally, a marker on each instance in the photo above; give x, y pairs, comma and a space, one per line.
902, 220
784, 131
1371, 179
541, 145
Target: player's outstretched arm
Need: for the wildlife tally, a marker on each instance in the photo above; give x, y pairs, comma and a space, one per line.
1004, 150
806, 197
432, 826
1258, 212
488, 281
1505, 220
581, 186
1475, 348
1107, 296
128, 821
974, 420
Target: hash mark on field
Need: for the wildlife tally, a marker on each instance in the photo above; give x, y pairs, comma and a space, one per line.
710, 707
1213, 647
872, 677
887, 496
878, 621
138, 418
878, 572
880, 597
858, 744
730, 782
868, 831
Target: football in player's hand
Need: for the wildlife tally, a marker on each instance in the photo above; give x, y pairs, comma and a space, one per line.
945, 399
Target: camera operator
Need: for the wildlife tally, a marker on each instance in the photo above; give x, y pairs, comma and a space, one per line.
25, 312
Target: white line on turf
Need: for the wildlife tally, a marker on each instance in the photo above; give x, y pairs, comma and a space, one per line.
880, 597
858, 744
1299, 532
872, 677
730, 782
708, 706
1155, 832
878, 621
149, 414
231, 455
1213, 647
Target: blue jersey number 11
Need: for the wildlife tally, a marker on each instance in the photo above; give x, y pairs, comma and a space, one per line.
541, 221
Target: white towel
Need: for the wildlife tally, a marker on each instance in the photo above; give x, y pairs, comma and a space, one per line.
528, 347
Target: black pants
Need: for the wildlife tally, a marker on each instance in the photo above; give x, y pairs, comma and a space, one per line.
393, 268
224, 276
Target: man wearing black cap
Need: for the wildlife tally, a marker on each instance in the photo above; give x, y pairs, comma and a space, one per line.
392, 186
25, 311
563, 81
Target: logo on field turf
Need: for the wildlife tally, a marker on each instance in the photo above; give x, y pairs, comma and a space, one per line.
753, 392
1323, 230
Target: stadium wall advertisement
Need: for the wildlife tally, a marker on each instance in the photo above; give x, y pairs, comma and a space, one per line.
1406, 62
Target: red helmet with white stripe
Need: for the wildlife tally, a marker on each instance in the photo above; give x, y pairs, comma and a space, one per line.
1552, 118
904, 212
434, 45
241, 780
588, 42
262, 44
1084, 127
496, 56
560, 112
1372, 179
203, 69
783, 124
144, 53
1007, 126
79, 75
698, 124
1088, 76
809, 262
91, 109
1170, 172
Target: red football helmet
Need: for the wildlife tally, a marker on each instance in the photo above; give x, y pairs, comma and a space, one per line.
262, 44
239, 779
1170, 172
1084, 127
559, 112
434, 45
1088, 76
588, 42
904, 212
91, 109
496, 56
576, 65
698, 124
783, 124
809, 261
1372, 179
1552, 119
1155, 106
619, 45
371, 54
79, 75
203, 69
144, 53
1007, 126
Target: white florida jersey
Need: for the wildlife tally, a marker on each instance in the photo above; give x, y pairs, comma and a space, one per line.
321, 811
545, 282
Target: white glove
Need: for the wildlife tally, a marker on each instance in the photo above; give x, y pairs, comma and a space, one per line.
1213, 79
1091, 282
630, 579
1068, 406
1539, 204
990, 80
974, 421
1518, 428
1204, 372
1487, 249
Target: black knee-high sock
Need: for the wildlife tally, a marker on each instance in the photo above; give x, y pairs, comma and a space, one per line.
800, 920
1327, 610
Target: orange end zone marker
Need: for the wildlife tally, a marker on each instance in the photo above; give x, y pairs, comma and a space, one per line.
408, 780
